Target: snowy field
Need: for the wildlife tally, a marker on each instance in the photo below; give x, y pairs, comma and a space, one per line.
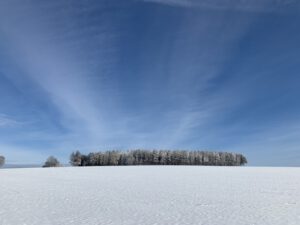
155, 195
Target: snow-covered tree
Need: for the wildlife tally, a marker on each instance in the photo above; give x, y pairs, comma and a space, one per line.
51, 162
157, 157
75, 158
2, 160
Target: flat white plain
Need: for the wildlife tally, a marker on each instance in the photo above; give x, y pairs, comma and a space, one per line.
150, 195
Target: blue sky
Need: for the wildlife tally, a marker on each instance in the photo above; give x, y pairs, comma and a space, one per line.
169, 74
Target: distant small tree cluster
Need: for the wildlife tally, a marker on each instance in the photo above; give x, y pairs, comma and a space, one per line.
2, 160
157, 157
51, 162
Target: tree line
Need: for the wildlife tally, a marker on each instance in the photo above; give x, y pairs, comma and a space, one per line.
157, 157
146, 157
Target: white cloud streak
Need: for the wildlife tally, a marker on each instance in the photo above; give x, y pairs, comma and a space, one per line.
236, 5
57, 69
58, 72
6, 121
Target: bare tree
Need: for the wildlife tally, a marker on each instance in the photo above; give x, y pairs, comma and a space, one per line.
51, 162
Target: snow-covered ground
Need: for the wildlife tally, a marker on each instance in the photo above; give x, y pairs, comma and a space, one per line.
144, 195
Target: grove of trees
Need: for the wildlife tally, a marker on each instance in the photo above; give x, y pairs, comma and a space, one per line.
2, 160
157, 157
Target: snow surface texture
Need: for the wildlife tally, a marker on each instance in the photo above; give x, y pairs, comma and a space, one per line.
144, 195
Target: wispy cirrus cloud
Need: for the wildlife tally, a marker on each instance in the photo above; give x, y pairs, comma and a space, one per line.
68, 82
235, 5
103, 76
6, 121
57, 66
94, 117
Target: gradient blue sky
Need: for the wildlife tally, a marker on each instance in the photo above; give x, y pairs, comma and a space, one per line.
172, 74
